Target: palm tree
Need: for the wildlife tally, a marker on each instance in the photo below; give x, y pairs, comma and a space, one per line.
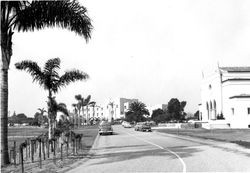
84, 103
112, 104
79, 106
28, 16
41, 117
53, 108
136, 112
75, 114
50, 80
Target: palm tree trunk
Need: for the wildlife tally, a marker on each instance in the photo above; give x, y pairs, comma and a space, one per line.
4, 65
50, 116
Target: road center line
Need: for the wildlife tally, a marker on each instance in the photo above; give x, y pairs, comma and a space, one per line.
182, 162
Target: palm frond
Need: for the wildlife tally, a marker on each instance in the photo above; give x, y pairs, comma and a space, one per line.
67, 14
63, 109
87, 100
51, 67
78, 97
32, 68
71, 76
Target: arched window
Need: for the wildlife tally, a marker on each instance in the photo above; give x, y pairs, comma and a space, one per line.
207, 111
215, 111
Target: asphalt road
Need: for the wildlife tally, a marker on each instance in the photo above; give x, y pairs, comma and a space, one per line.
131, 151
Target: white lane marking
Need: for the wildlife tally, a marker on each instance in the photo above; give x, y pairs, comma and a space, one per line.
182, 162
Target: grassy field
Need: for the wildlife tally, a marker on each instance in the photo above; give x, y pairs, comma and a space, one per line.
239, 136
19, 134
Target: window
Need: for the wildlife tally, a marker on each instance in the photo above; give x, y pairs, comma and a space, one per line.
248, 111
125, 107
232, 109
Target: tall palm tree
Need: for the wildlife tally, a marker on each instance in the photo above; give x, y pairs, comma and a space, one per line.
84, 102
53, 108
79, 106
136, 112
50, 80
28, 16
75, 114
41, 117
112, 104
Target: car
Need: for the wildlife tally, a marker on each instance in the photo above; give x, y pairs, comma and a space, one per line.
142, 126
127, 125
105, 128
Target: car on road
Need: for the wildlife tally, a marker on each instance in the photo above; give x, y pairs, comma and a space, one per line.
105, 128
126, 125
142, 126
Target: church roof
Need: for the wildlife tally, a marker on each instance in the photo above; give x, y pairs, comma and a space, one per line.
240, 96
236, 69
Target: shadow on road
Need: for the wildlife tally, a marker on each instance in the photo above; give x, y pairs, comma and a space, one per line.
137, 152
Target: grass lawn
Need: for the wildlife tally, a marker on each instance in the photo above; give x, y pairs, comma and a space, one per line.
20, 134
239, 136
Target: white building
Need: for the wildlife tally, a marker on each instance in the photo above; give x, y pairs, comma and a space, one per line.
93, 112
226, 93
116, 108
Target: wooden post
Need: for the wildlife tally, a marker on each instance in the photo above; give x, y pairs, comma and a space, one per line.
73, 148
32, 151
26, 149
54, 147
43, 150
67, 149
21, 158
61, 151
48, 148
14, 153
40, 154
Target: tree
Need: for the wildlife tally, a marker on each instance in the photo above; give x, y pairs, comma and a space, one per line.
136, 112
28, 16
197, 115
50, 80
160, 115
176, 109
41, 119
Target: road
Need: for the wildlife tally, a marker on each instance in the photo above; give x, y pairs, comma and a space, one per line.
131, 151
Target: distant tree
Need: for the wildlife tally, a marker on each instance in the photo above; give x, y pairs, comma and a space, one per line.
136, 112
196, 115
160, 116
176, 109
21, 116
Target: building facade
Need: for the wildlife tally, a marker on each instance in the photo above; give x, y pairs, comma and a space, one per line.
225, 97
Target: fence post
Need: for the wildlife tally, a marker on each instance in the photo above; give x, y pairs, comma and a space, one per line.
21, 157
32, 150
14, 153
43, 150
61, 151
26, 149
67, 148
40, 154
48, 148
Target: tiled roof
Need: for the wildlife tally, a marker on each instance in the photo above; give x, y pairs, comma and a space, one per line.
236, 69
240, 96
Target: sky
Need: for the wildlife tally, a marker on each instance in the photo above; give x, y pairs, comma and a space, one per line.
152, 50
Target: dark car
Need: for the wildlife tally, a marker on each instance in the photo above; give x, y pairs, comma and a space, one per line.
105, 128
141, 126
